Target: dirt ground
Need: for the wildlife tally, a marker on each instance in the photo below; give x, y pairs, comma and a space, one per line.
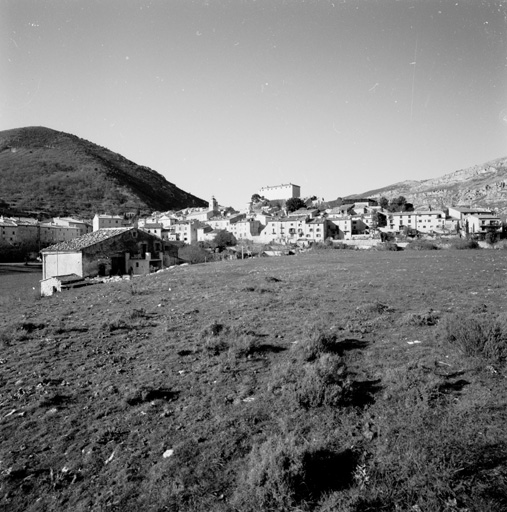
155, 393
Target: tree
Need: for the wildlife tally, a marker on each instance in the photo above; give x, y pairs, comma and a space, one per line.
378, 220
294, 203
256, 198
224, 239
399, 204
192, 254
383, 202
491, 237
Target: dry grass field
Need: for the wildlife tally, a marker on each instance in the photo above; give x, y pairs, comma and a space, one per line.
328, 381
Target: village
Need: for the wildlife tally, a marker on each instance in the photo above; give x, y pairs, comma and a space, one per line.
113, 245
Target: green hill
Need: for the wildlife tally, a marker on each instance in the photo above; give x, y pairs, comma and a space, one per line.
56, 173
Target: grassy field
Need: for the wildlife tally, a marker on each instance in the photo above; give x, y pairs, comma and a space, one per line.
328, 381
17, 281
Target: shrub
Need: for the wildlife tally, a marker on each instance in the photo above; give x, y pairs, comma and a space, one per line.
419, 319
192, 254
314, 343
323, 383
463, 243
422, 245
375, 307
244, 345
387, 246
491, 237
341, 245
286, 473
215, 345
476, 335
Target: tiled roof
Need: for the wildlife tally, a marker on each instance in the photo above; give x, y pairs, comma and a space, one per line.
87, 240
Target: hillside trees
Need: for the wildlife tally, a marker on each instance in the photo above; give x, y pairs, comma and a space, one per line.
294, 203
399, 204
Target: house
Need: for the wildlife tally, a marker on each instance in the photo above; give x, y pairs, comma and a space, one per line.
108, 252
343, 225
430, 220
71, 223
153, 227
482, 223
183, 231
8, 231
109, 221
17, 231
291, 230
460, 212
304, 213
425, 221
247, 228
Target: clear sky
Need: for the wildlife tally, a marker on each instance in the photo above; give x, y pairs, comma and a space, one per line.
224, 97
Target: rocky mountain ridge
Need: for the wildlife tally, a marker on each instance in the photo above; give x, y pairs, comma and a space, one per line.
480, 185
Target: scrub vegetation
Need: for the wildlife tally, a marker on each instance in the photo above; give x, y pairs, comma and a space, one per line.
329, 381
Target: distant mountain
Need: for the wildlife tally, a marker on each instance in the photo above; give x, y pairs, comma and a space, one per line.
56, 173
481, 185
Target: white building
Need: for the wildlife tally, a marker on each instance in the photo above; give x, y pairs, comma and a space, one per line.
109, 221
280, 192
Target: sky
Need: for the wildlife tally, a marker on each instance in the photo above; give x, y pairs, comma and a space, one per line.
223, 97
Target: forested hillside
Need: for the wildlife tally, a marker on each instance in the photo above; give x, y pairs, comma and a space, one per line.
55, 173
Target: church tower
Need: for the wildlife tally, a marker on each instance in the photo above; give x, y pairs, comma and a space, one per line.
213, 205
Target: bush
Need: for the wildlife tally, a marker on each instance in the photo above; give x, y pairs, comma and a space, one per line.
314, 343
192, 254
464, 243
420, 319
286, 473
341, 245
315, 376
491, 237
376, 307
323, 383
244, 345
422, 245
387, 246
476, 335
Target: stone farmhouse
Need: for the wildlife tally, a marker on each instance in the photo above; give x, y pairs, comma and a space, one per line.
110, 251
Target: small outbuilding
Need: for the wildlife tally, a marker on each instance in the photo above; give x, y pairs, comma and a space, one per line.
56, 284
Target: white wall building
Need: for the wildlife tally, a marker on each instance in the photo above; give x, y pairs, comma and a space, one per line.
280, 192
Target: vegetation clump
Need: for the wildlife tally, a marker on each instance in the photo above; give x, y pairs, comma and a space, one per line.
422, 245
476, 335
289, 473
464, 243
386, 246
